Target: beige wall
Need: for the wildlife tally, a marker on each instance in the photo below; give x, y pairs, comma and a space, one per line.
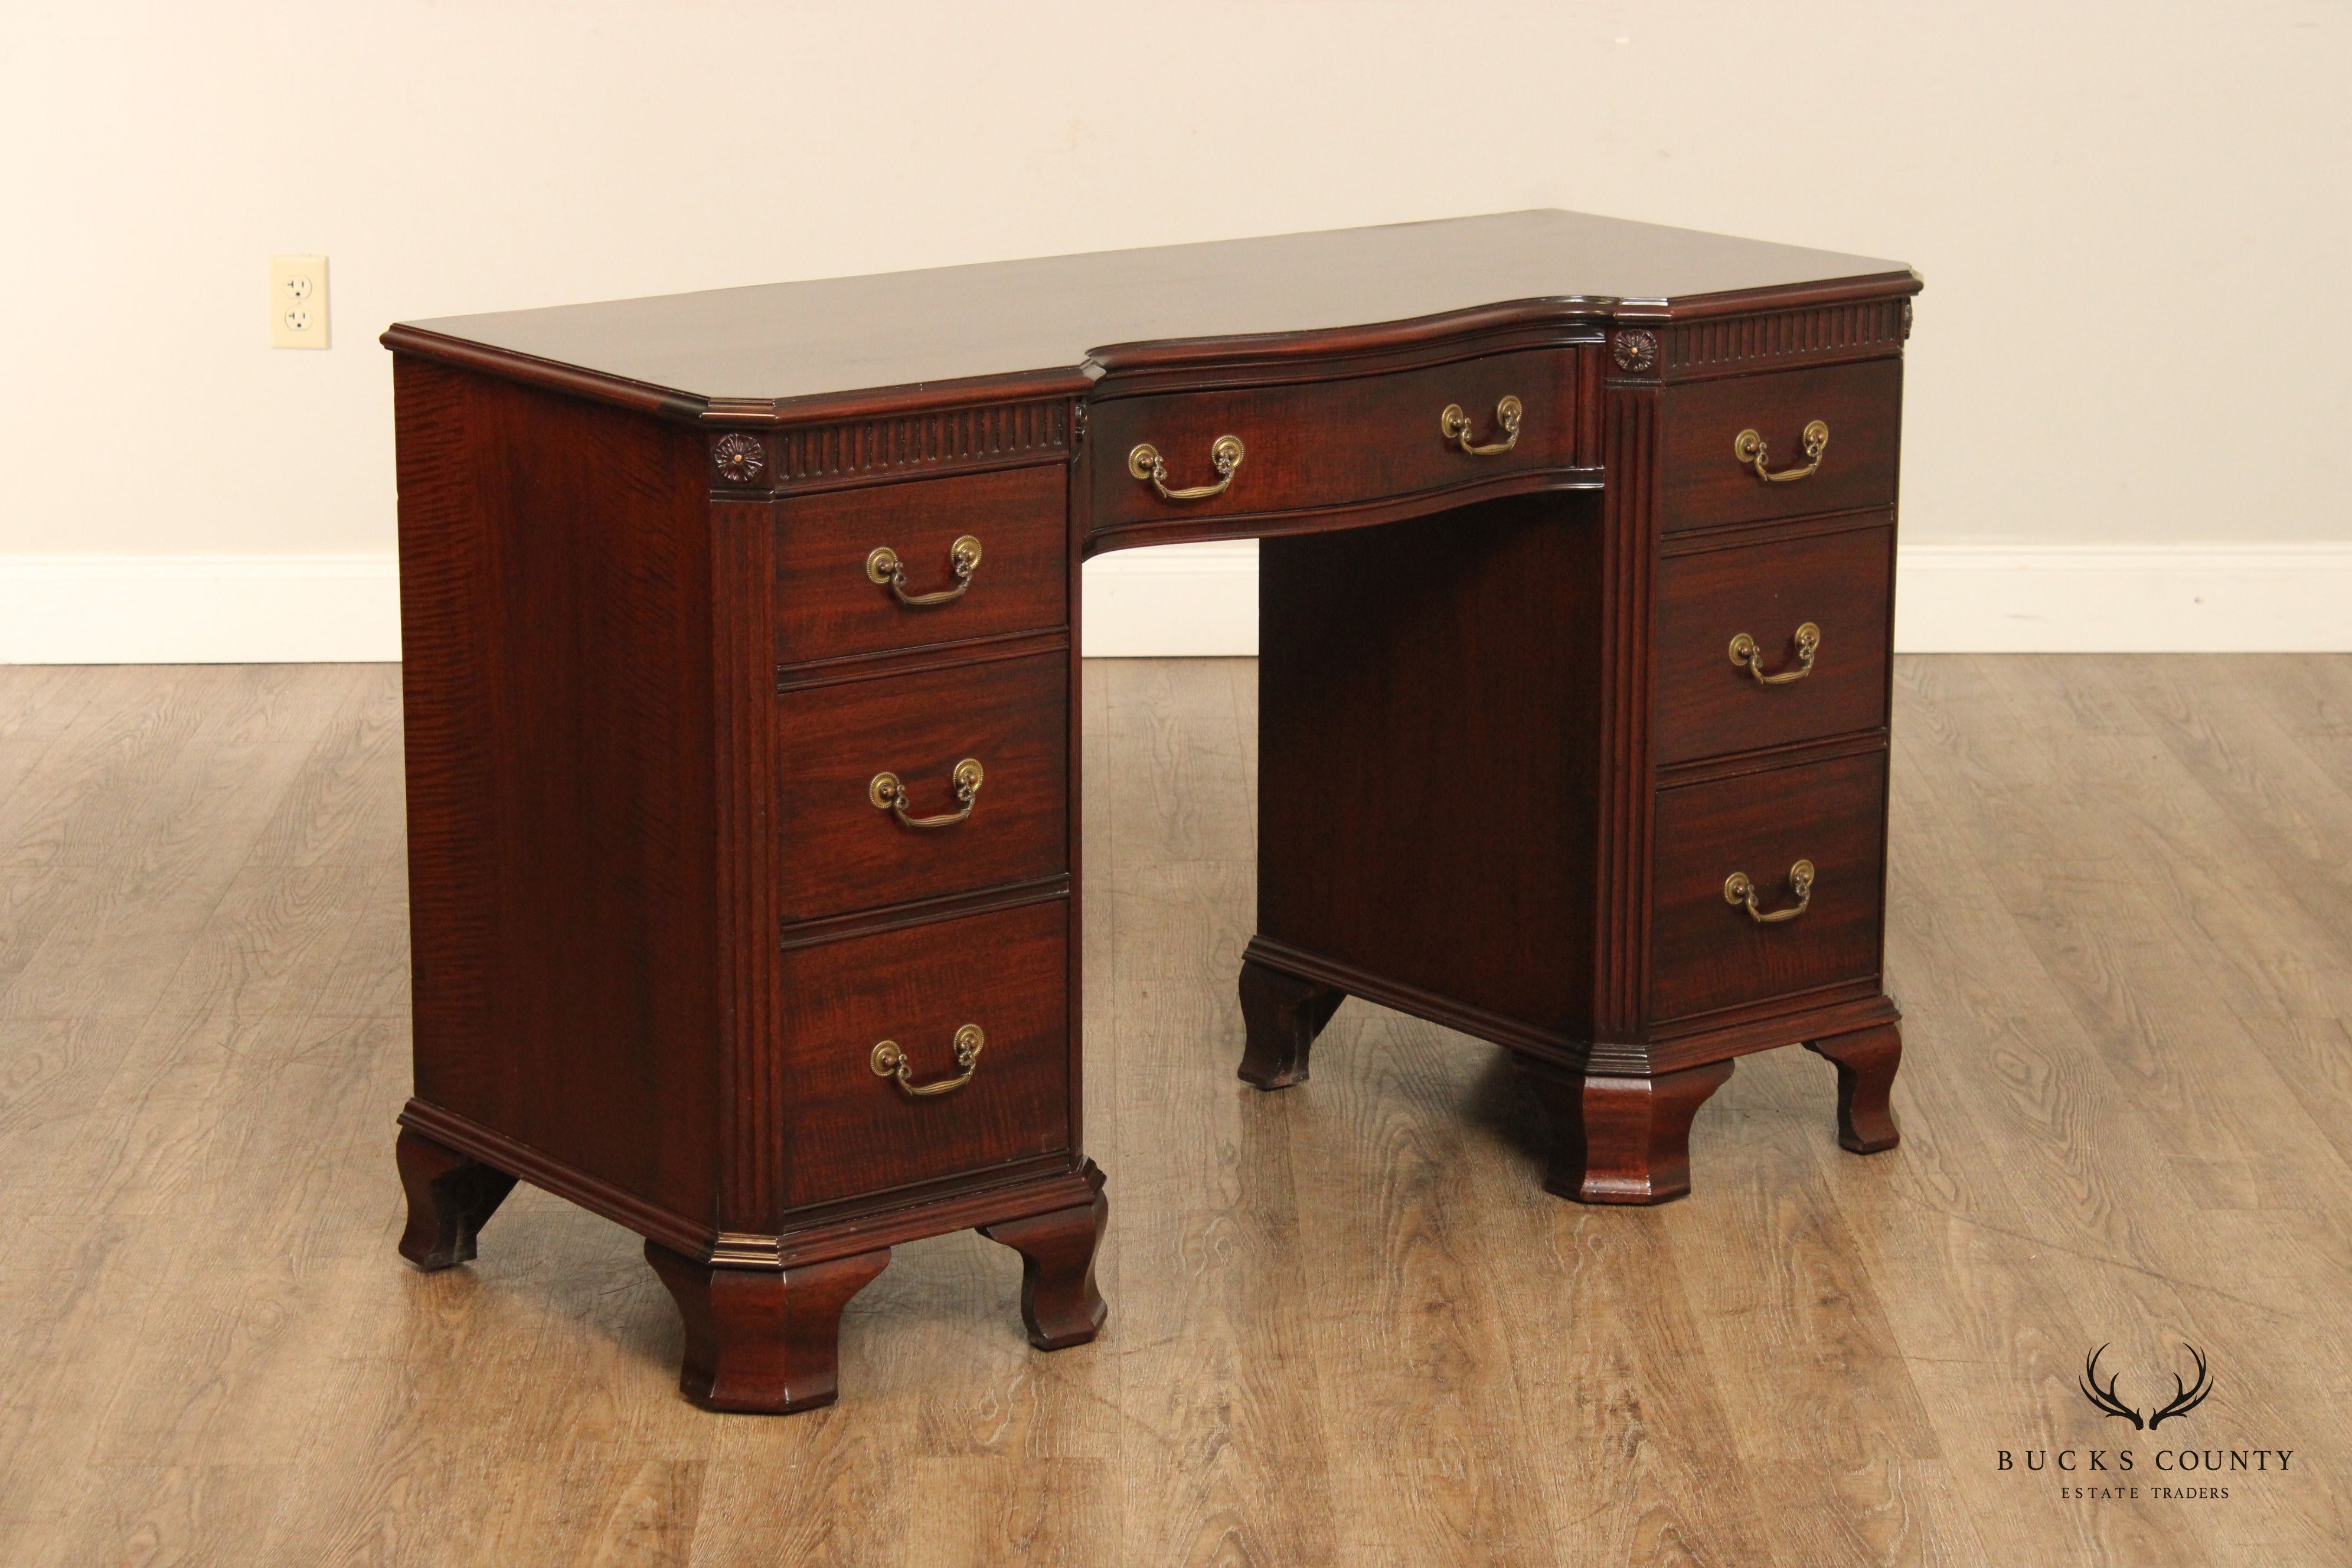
2132, 217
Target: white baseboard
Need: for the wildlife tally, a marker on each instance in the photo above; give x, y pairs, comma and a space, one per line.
1202, 599
199, 609
1949, 598
2123, 598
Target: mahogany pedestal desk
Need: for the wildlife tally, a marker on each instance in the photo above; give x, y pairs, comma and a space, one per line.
742, 718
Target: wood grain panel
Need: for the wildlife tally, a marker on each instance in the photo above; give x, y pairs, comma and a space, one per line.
848, 1131
826, 607
840, 853
1702, 483
1440, 842
1706, 953
1842, 581
556, 628
1332, 443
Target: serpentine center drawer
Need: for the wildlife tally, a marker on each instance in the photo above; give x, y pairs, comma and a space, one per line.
1773, 642
919, 786
930, 561
1767, 883
1796, 441
982, 999
1274, 450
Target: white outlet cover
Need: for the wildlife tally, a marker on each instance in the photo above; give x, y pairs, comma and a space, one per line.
297, 301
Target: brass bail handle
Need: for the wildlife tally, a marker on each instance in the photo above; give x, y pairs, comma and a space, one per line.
889, 1061
1745, 653
885, 567
1456, 426
1748, 447
890, 794
1224, 455
1739, 892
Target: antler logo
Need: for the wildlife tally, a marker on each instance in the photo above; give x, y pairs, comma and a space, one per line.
2186, 1397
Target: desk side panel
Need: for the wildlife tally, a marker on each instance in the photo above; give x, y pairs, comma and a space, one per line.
556, 627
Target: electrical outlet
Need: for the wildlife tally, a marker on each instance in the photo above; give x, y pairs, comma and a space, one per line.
297, 301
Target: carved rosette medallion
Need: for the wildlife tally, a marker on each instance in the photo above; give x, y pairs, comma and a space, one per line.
740, 458
1635, 350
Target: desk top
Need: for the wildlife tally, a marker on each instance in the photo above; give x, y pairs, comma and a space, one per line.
1058, 319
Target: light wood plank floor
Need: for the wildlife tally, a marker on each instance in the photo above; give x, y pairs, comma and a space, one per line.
1346, 1327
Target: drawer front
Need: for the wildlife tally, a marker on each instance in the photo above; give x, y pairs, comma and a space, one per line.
1706, 953
1332, 443
830, 606
842, 852
848, 1131
1840, 585
1703, 480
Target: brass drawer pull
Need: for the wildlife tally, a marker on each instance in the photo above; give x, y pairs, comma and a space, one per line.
1739, 891
887, 793
1750, 657
889, 1061
885, 567
1146, 463
1748, 447
1456, 426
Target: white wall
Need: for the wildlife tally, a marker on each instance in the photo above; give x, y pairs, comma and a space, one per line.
2131, 218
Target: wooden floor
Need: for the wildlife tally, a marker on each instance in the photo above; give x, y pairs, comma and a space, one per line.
1346, 1325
